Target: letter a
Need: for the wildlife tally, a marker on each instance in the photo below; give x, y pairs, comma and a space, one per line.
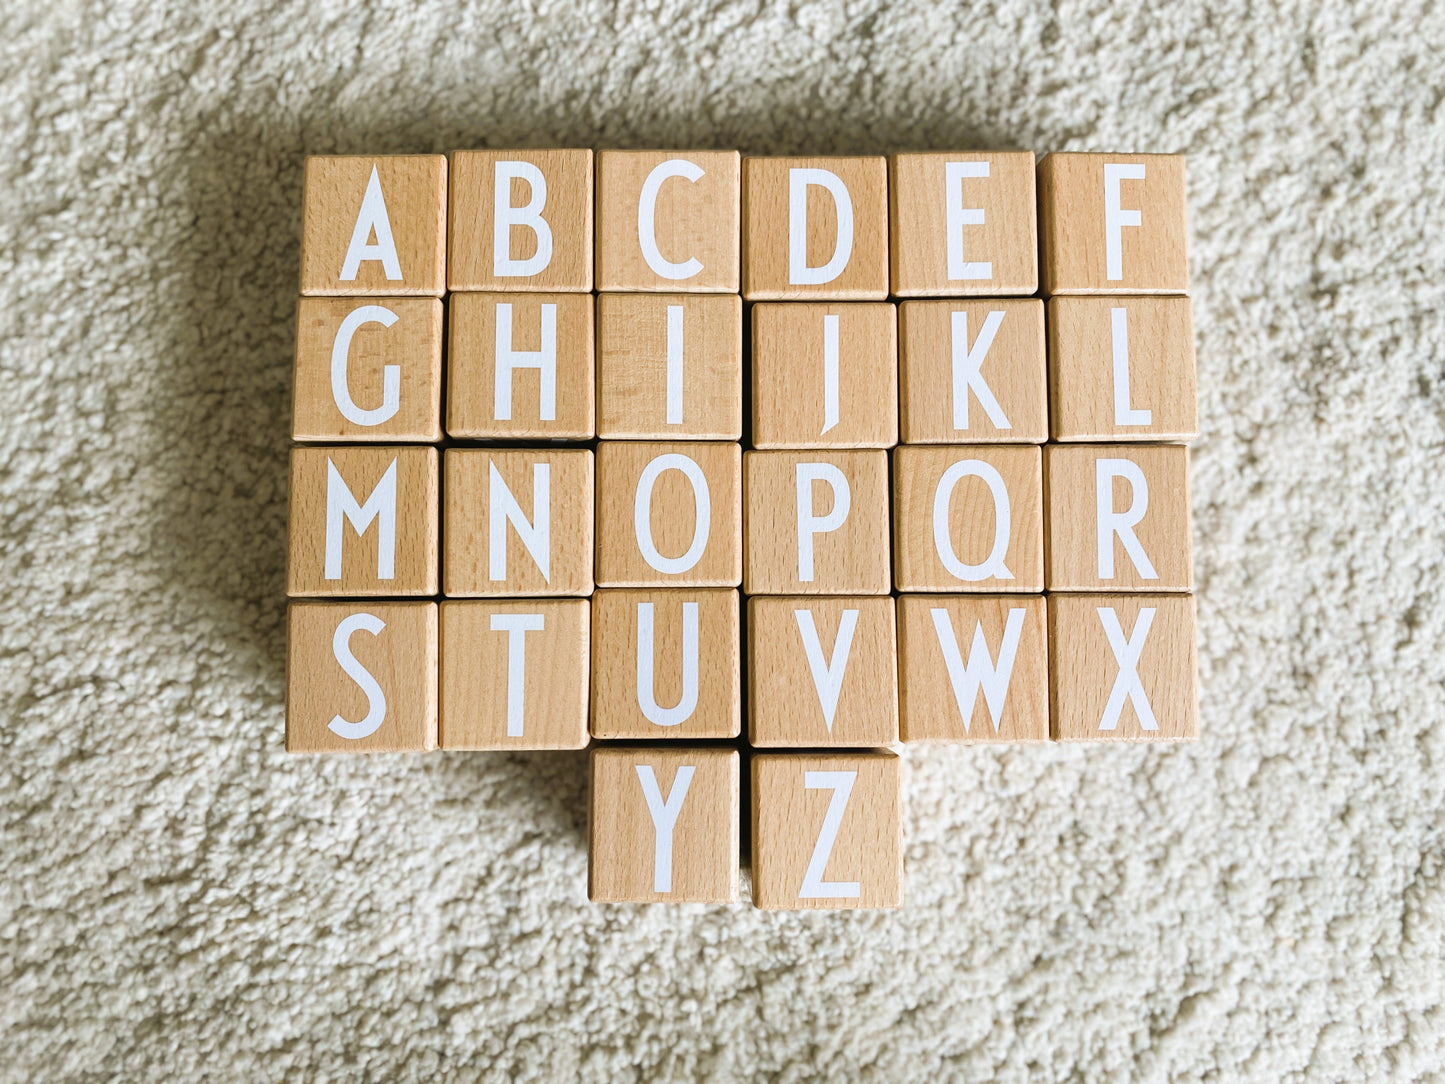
372, 217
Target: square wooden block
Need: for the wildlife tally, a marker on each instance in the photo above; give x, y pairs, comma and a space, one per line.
1118, 517
963, 224
1112, 224
361, 677
1124, 668
517, 522
822, 672
514, 675
521, 220
363, 522
825, 375
664, 826
668, 220
827, 830
670, 366
815, 228
665, 664
375, 225
973, 372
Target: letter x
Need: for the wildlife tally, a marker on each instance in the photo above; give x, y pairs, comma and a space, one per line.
1127, 653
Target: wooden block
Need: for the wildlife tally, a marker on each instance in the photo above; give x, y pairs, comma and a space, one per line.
963, 224
1112, 224
815, 228
363, 522
517, 522
1118, 517
375, 225
825, 375
361, 677
827, 830
663, 825
520, 367
665, 664
668, 220
972, 372
973, 668
670, 366
816, 523
538, 237
1122, 368
968, 518
822, 672
1124, 668
669, 514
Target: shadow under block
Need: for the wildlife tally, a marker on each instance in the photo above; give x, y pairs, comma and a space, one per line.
670, 366
1118, 517
815, 229
972, 372
521, 220
825, 375
361, 677
663, 825
1122, 368
363, 521
1112, 224
1124, 668
827, 830
665, 664
668, 220
822, 672
517, 522
963, 224
374, 225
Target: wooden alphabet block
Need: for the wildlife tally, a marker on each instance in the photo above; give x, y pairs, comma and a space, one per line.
361, 677
1112, 224
375, 225
665, 664
517, 522
825, 375
827, 830
1124, 668
663, 825
822, 672
668, 220
963, 224
363, 522
521, 220
815, 228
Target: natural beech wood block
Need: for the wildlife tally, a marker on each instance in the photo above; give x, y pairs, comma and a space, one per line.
963, 224
669, 514
520, 366
514, 675
363, 522
375, 225
663, 825
822, 672
1112, 224
825, 375
973, 668
668, 220
972, 372
361, 677
815, 228
1122, 368
670, 366
521, 220
1124, 668
1118, 517
827, 830
665, 664
517, 522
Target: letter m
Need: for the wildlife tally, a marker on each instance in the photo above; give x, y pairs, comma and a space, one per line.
380, 505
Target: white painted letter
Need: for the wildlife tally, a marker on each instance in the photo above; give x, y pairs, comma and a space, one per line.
827, 676
516, 626
664, 817
967, 361
1126, 682
642, 513
390, 374
502, 509
1116, 217
814, 887
674, 365
992, 566
371, 217
1123, 413
646, 649
809, 524
647, 206
505, 216
380, 506
980, 673
1113, 523
830, 373
799, 273
375, 698
959, 216
543, 360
